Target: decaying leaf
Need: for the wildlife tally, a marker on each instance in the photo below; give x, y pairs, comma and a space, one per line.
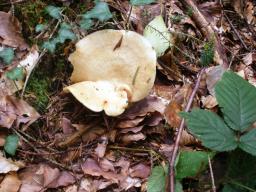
7, 165
11, 183
16, 110
10, 32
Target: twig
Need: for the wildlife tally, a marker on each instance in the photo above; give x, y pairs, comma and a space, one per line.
176, 145
211, 173
237, 34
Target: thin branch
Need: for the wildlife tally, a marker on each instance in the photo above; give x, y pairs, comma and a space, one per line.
211, 173
181, 127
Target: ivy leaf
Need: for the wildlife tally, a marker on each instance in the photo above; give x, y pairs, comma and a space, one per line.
100, 11
54, 12
15, 74
11, 144
236, 97
86, 24
210, 129
50, 45
207, 54
7, 54
190, 163
157, 34
40, 27
156, 181
248, 142
65, 34
141, 2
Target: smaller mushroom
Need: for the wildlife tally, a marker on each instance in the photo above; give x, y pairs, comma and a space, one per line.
112, 68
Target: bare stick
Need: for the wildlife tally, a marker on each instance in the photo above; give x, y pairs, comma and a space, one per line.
176, 145
212, 176
237, 34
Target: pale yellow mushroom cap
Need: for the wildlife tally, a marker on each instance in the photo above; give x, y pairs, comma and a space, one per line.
123, 58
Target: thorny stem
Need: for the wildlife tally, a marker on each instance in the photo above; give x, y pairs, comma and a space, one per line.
176, 145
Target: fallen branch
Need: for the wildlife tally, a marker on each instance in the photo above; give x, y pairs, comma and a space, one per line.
207, 29
181, 127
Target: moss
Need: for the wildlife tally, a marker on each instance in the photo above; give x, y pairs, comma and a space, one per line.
37, 90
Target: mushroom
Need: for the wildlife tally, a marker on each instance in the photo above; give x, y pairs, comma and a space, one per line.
112, 68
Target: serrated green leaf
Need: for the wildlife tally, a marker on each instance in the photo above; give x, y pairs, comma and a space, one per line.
156, 181
7, 55
241, 172
15, 74
11, 144
50, 45
191, 163
65, 34
248, 142
178, 186
158, 35
236, 98
40, 27
210, 129
54, 12
141, 2
86, 24
207, 54
100, 11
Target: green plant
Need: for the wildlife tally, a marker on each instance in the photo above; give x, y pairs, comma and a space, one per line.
236, 98
11, 144
141, 2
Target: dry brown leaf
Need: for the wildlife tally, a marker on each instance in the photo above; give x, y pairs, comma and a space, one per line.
91, 167
101, 147
7, 165
249, 59
130, 122
10, 31
128, 138
213, 75
140, 170
106, 165
172, 114
13, 109
209, 102
11, 183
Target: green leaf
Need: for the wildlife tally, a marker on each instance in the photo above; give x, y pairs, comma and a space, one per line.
40, 27
7, 54
86, 24
191, 163
11, 144
207, 54
248, 142
15, 74
64, 25
158, 35
100, 11
211, 130
65, 34
241, 172
236, 97
156, 181
178, 186
50, 45
141, 2
54, 12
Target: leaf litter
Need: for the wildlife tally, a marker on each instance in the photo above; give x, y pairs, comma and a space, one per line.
63, 149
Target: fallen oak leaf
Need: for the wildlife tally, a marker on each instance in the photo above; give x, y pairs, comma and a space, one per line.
10, 183
7, 165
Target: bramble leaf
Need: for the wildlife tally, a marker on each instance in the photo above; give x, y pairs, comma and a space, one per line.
7, 55
190, 163
11, 144
141, 2
54, 12
210, 129
156, 181
100, 11
158, 35
236, 98
15, 74
248, 142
